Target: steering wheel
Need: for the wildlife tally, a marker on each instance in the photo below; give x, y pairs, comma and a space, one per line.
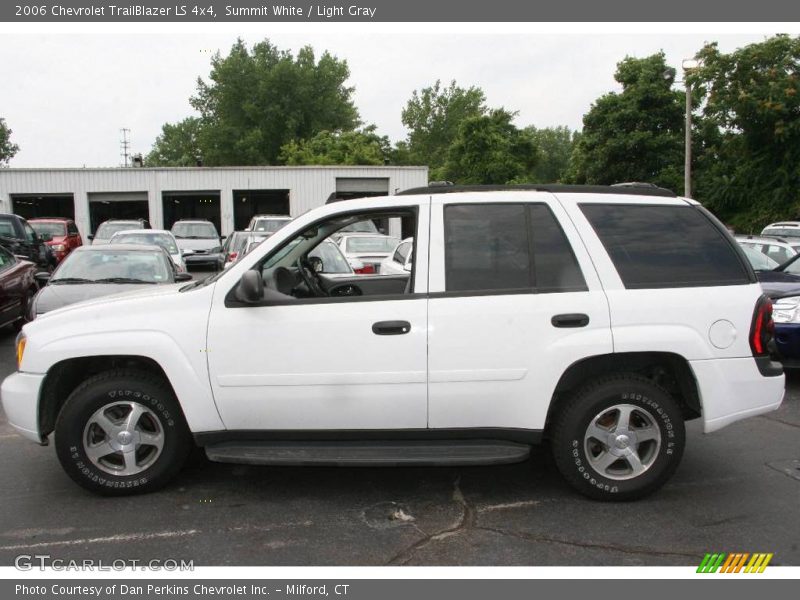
310, 278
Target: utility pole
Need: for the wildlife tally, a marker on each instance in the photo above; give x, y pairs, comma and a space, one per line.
124, 145
687, 158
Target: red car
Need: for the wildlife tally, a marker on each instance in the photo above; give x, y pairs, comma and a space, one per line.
62, 231
17, 289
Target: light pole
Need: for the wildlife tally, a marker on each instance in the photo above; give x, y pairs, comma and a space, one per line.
688, 65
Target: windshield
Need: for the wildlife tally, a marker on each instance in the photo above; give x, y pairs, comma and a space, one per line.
204, 231
782, 232
371, 244
50, 228
136, 266
269, 225
106, 230
164, 240
333, 261
759, 261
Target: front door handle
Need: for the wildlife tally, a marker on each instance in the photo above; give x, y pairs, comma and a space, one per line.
570, 320
391, 327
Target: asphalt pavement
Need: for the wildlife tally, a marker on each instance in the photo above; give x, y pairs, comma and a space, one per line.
737, 490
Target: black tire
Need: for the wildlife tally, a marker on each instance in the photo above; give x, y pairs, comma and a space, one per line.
25, 309
121, 387
571, 442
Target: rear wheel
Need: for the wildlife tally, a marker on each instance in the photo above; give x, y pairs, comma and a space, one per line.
619, 438
122, 432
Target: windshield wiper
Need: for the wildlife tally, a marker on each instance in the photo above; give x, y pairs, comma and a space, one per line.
71, 280
121, 280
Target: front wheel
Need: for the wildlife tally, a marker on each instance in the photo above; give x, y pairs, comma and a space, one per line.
122, 432
619, 438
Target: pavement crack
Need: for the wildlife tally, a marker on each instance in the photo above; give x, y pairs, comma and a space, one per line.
779, 420
465, 521
589, 545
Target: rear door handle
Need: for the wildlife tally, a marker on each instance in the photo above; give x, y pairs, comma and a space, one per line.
391, 327
570, 320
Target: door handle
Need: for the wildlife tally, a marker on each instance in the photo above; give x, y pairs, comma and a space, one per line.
570, 320
391, 327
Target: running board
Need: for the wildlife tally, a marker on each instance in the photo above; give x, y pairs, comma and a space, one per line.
370, 454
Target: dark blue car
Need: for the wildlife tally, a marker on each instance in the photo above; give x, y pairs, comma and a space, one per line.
782, 284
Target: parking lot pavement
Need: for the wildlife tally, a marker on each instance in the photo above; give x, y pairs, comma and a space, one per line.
731, 493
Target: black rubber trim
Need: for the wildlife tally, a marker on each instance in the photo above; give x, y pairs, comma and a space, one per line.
768, 367
522, 436
553, 188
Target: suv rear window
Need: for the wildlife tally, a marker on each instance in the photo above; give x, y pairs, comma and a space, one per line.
488, 247
665, 246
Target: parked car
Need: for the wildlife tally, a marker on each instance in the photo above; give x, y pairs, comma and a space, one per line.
201, 237
108, 228
20, 239
153, 237
778, 249
538, 313
399, 261
17, 289
235, 246
268, 223
366, 248
96, 271
63, 233
783, 229
758, 260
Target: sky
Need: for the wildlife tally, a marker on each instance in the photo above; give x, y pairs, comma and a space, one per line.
66, 96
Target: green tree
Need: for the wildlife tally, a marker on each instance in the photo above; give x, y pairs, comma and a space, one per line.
433, 117
177, 146
489, 149
749, 167
637, 134
256, 101
554, 146
364, 147
7, 148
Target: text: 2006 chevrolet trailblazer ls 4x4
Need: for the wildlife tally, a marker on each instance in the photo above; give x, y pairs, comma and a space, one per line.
597, 319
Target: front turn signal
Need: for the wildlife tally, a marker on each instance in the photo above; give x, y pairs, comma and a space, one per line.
20, 349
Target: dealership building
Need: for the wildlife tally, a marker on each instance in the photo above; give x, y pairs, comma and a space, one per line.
226, 196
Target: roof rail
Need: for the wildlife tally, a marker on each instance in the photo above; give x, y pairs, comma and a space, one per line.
634, 189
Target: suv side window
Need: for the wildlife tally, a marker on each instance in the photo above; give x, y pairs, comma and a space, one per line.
666, 246
6, 259
489, 247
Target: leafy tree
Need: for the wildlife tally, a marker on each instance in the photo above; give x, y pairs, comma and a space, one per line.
177, 146
363, 147
433, 117
749, 167
637, 134
258, 100
7, 148
489, 149
554, 146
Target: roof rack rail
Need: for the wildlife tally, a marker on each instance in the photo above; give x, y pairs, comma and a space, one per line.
635, 189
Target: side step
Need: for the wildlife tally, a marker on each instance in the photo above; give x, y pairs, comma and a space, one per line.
371, 453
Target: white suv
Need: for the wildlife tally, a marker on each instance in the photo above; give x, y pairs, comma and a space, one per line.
569, 315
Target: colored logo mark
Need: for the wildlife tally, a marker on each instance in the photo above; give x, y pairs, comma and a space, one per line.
735, 562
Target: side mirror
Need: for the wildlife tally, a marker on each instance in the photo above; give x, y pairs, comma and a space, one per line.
42, 276
251, 287
90, 237
46, 237
183, 276
316, 264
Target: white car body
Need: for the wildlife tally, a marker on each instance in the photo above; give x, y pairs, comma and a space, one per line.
400, 260
130, 237
469, 361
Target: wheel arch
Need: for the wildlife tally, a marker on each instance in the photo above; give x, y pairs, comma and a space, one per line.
670, 370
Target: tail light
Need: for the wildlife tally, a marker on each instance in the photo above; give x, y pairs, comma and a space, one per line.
232, 256
762, 328
365, 270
